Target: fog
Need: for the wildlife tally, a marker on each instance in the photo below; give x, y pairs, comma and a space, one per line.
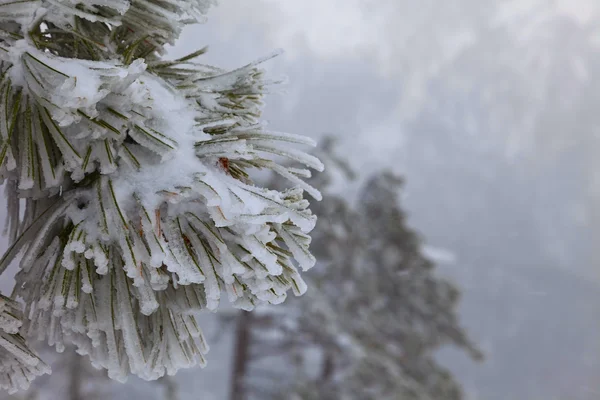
488, 109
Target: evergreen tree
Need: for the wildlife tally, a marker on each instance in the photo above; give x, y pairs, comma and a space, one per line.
129, 191
512, 122
370, 325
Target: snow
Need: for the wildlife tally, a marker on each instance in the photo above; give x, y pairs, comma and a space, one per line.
157, 201
439, 255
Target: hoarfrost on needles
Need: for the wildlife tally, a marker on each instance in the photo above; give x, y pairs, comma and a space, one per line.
139, 205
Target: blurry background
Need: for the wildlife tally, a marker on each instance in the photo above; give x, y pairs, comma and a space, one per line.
489, 110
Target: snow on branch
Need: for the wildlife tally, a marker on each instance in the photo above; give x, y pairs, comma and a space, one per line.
135, 175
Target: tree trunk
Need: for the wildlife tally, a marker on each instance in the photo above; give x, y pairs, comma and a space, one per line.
241, 356
328, 367
171, 392
76, 376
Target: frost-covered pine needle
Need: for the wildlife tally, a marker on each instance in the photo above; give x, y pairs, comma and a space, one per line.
18, 364
131, 203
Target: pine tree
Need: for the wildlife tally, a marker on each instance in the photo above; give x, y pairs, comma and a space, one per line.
129, 192
373, 318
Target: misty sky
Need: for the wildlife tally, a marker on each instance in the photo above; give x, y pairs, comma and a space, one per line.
356, 67
360, 68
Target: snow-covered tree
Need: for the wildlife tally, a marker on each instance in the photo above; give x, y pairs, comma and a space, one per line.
512, 124
372, 320
130, 199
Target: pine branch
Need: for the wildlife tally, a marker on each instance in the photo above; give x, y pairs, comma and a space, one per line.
140, 209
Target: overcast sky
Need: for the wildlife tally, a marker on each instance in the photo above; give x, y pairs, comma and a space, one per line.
356, 68
349, 61
336, 59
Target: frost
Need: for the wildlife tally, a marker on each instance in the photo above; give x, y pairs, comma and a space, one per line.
141, 210
18, 364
